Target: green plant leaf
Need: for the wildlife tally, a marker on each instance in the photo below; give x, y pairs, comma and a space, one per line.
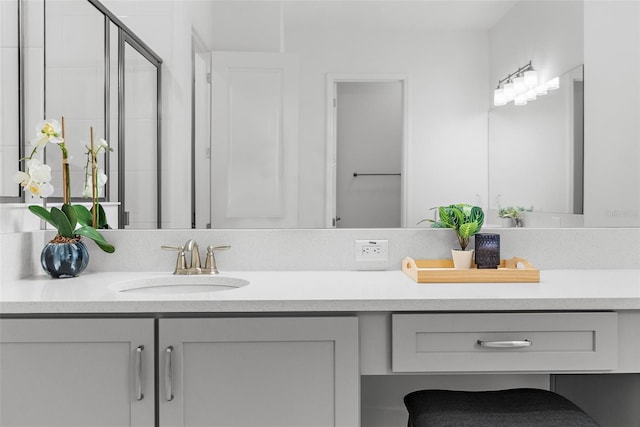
93, 234
477, 216
447, 216
469, 229
102, 217
83, 215
71, 215
62, 223
42, 213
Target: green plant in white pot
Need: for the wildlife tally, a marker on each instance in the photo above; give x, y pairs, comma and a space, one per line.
514, 214
466, 220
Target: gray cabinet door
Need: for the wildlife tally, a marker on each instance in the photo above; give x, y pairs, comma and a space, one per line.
259, 372
76, 372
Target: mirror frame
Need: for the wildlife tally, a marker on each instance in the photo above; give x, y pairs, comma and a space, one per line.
20, 196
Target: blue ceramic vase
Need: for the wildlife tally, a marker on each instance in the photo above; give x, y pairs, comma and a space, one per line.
61, 260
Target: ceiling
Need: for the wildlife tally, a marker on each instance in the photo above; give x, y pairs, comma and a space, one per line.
454, 15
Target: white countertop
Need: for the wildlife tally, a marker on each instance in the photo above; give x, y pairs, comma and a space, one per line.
326, 291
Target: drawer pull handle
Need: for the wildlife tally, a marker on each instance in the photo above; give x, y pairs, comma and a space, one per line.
505, 344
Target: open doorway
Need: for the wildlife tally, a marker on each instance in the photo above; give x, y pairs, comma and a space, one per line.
367, 146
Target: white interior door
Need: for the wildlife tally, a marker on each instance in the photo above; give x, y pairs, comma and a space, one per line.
369, 133
254, 134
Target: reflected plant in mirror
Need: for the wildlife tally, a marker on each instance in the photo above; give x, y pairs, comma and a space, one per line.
514, 214
71, 221
95, 180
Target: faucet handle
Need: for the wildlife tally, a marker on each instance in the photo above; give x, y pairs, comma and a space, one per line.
210, 262
181, 262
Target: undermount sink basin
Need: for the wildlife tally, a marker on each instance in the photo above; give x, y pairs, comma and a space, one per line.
179, 284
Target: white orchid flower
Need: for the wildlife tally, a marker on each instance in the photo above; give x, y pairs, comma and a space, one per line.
102, 144
87, 191
42, 190
48, 131
102, 177
88, 186
39, 172
36, 179
23, 178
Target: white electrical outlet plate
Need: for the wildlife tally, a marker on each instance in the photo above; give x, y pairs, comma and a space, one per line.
372, 250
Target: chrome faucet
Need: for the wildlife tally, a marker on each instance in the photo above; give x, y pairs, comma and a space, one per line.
194, 260
195, 266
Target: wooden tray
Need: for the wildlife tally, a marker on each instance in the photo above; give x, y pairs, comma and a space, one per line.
442, 271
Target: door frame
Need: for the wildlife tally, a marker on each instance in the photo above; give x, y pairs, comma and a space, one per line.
332, 138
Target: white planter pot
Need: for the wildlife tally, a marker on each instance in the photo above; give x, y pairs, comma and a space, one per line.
462, 259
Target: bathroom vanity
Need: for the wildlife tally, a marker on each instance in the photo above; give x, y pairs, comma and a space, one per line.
297, 348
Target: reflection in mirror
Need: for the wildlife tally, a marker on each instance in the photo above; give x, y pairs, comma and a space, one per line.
74, 57
139, 151
86, 46
10, 105
536, 151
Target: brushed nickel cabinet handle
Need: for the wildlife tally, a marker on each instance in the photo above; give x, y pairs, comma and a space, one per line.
505, 344
138, 386
168, 386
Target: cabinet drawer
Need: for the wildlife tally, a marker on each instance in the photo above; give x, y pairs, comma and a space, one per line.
480, 342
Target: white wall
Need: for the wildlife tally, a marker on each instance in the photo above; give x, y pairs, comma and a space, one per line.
612, 113
549, 33
446, 109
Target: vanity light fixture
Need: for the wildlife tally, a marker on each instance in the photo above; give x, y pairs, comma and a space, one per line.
521, 86
553, 84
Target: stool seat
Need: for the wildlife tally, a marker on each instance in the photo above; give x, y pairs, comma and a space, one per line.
514, 407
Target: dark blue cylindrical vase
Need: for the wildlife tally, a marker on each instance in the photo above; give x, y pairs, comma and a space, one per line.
487, 250
61, 260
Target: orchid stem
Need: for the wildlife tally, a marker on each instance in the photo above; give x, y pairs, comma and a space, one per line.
94, 183
66, 190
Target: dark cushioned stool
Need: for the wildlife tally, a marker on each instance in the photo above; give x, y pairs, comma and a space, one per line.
516, 407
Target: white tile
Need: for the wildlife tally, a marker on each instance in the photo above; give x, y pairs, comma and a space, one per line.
82, 93
34, 34
9, 23
9, 167
82, 40
34, 89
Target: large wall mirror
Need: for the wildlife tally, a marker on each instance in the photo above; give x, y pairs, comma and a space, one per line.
269, 73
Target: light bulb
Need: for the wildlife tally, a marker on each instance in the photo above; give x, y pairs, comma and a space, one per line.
498, 97
541, 90
508, 91
531, 78
518, 85
553, 84
531, 95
